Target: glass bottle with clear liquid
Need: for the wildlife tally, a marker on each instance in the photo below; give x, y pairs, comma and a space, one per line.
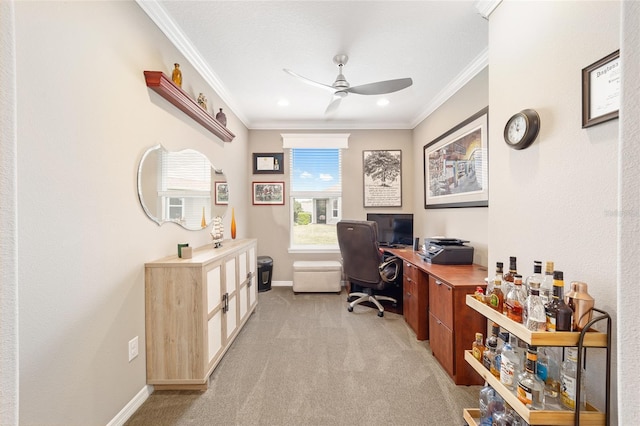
548, 370
533, 313
546, 286
536, 276
530, 388
569, 380
510, 364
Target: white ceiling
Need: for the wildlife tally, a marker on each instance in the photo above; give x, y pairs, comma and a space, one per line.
241, 48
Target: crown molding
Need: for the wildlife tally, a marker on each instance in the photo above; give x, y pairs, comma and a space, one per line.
159, 16
478, 64
486, 7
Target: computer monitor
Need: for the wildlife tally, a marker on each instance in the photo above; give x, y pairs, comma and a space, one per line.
393, 228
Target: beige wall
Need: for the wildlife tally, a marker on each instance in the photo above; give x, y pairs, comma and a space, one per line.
557, 199
270, 224
465, 223
85, 117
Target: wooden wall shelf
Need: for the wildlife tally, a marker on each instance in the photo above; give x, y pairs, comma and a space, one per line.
166, 88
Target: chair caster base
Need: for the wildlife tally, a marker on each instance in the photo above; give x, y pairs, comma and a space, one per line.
380, 314
350, 309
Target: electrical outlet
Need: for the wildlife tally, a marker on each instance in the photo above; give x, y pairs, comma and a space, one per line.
133, 348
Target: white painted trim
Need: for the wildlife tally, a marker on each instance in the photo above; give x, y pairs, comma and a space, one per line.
161, 18
315, 140
478, 64
486, 7
132, 406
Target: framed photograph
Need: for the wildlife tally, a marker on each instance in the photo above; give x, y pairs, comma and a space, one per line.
268, 193
456, 166
268, 163
601, 90
221, 193
382, 173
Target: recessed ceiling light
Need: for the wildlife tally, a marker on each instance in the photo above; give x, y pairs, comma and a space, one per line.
283, 102
383, 102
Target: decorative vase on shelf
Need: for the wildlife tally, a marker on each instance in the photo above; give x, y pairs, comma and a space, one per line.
177, 75
203, 222
233, 224
221, 117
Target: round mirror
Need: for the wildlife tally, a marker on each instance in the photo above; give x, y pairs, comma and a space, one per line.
182, 187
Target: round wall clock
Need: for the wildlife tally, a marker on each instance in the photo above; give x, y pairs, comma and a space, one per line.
522, 129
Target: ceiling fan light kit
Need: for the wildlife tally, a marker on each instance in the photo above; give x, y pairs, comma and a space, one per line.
342, 88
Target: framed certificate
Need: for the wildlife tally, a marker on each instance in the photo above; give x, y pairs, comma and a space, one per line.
601, 90
268, 163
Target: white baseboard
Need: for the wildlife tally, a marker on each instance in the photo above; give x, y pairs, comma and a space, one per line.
131, 407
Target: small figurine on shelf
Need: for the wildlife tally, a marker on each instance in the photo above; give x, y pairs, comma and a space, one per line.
202, 101
221, 117
177, 75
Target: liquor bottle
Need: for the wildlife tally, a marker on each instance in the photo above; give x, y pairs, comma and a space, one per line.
536, 276
549, 372
496, 297
559, 315
509, 277
530, 388
490, 403
510, 367
505, 418
568, 381
515, 299
546, 286
533, 313
478, 348
491, 351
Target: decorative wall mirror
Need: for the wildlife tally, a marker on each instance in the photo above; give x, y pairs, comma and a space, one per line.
182, 187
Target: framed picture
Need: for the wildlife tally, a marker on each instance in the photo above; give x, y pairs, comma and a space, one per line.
601, 90
268, 193
221, 193
382, 173
268, 163
456, 166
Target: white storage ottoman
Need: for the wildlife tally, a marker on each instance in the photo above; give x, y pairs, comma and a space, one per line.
317, 276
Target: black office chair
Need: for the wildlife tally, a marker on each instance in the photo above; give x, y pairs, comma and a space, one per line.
363, 263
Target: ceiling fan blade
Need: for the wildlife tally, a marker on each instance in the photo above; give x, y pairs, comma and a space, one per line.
381, 87
308, 81
333, 105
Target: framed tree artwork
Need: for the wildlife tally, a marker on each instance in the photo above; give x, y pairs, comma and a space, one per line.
382, 173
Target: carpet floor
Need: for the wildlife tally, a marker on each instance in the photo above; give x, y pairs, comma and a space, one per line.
302, 359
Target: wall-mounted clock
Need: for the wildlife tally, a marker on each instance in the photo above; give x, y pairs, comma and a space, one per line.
522, 129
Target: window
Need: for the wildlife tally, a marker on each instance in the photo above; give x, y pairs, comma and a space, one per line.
315, 195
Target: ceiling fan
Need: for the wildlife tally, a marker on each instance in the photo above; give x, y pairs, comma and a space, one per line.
341, 87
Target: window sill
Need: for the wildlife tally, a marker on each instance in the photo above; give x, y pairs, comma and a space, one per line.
320, 250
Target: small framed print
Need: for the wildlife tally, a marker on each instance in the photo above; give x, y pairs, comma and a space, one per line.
268, 163
601, 90
268, 193
222, 193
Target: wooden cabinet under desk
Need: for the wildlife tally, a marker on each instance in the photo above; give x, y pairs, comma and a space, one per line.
435, 309
195, 308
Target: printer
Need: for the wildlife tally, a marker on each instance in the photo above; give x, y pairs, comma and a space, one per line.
447, 251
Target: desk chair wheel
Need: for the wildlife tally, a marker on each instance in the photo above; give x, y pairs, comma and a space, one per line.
380, 313
350, 308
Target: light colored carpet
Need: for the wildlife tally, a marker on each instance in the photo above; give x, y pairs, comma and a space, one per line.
304, 360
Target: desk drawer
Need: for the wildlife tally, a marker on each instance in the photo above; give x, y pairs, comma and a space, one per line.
441, 301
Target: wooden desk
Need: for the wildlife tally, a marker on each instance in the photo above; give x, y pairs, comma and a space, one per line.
434, 307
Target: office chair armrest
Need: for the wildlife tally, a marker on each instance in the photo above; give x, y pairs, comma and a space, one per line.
390, 268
